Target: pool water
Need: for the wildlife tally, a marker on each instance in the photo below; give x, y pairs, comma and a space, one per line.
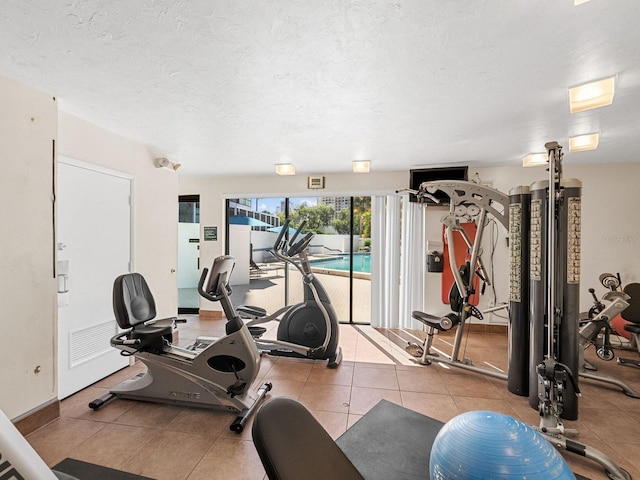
361, 262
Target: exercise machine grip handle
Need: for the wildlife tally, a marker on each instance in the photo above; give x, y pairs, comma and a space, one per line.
284, 228
301, 245
295, 235
120, 339
207, 295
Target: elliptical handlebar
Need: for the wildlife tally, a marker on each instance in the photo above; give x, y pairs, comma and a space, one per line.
287, 249
298, 231
285, 227
301, 245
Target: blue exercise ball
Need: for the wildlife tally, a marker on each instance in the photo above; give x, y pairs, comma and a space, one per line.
489, 445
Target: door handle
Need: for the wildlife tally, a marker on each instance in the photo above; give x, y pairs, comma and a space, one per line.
63, 276
63, 283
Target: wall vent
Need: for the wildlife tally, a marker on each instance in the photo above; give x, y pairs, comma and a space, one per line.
315, 182
91, 342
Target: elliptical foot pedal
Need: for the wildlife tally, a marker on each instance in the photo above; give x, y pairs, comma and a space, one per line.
257, 332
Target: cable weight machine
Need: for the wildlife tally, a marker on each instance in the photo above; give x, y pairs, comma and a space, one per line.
554, 303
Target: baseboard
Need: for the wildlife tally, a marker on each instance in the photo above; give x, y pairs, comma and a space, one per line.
38, 417
211, 315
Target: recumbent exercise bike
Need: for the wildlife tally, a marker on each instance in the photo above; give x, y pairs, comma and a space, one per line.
218, 376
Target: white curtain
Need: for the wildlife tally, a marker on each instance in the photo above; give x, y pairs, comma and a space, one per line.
385, 261
412, 262
397, 261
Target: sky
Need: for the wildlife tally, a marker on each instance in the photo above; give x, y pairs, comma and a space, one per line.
272, 205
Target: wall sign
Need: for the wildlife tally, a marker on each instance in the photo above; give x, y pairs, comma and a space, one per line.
210, 234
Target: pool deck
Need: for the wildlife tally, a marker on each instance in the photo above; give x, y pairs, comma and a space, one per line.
267, 291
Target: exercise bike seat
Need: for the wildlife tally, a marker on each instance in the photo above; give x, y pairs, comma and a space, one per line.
135, 311
632, 312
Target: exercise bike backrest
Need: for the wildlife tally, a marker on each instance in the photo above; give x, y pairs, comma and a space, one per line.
632, 312
218, 290
133, 302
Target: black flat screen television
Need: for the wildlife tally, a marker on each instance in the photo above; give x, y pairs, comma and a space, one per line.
418, 176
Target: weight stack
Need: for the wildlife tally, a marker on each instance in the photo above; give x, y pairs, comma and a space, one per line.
518, 335
568, 266
537, 285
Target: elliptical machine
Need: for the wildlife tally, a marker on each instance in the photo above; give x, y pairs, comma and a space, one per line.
305, 330
218, 376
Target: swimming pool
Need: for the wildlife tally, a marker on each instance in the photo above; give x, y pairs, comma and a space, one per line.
361, 262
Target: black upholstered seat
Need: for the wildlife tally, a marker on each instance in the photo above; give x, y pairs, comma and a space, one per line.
632, 312
292, 445
134, 306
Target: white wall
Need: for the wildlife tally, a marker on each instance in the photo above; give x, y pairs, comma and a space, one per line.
28, 127
240, 248
155, 201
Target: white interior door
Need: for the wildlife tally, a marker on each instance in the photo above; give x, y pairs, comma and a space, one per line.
94, 247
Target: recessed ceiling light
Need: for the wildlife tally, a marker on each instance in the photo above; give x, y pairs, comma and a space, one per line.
285, 169
579, 2
535, 159
361, 166
581, 143
592, 95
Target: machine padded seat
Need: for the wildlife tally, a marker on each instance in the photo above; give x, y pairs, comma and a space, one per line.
632, 312
439, 323
133, 305
292, 445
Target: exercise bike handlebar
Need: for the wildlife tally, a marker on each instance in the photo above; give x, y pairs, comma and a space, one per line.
209, 296
120, 339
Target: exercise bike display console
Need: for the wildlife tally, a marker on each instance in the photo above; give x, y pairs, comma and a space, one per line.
218, 376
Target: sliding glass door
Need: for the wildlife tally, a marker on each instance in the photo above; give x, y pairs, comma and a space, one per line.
339, 253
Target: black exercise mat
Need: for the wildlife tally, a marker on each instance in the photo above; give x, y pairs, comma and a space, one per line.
392, 442
89, 471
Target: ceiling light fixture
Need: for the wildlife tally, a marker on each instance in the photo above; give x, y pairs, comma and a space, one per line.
361, 166
592, 95
579, 2
581, 143
167, 164
285, 169
535, 159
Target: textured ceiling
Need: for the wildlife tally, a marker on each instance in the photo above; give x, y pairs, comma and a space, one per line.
234, 87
